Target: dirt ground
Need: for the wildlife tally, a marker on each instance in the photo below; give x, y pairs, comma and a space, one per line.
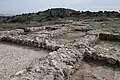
14, 58
90, 70
98, 70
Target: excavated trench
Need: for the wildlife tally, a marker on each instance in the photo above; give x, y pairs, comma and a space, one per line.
70, 37
14, 58
91, 69
96, 70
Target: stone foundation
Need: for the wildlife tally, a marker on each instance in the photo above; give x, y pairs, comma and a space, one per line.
65, 58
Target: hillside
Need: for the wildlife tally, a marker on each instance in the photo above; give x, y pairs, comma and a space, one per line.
41, 16
1, 14
58, 13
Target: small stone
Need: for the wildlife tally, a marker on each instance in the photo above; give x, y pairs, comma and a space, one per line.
20, 72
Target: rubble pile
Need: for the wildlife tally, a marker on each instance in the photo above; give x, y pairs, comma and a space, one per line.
58, 65
11, 32
33, 29
59, 32
82, 28
89, 40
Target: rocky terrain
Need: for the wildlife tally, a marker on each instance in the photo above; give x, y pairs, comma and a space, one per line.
79, 50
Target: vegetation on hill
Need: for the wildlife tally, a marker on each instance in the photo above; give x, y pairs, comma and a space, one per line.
41, 16
57, 13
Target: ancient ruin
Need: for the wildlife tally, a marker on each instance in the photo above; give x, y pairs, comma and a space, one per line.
75, 52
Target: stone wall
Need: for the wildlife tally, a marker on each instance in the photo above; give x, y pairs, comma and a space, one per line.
109, 36
58, 65
65, 58
32, 40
